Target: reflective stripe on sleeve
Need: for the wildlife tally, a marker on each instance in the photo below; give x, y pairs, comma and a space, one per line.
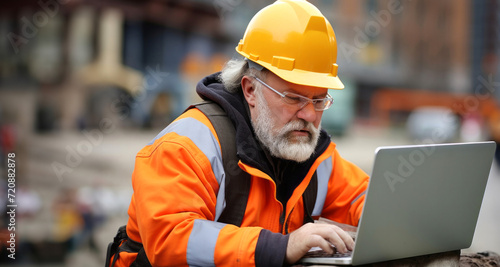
221, 199
201, 244
359, 196
324, 172
203, 138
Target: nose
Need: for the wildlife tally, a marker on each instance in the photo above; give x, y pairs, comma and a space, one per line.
307, 113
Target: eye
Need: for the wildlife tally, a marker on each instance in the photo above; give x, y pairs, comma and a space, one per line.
292, 99
320, 104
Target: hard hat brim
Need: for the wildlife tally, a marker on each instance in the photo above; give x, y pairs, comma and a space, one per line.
302, 77
313, 79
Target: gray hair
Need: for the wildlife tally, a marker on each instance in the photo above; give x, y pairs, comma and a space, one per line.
233, 72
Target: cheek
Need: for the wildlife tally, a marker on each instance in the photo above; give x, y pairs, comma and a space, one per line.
317, 122
283, 115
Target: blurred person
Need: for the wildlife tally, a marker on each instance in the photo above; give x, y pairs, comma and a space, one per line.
3, 203
29, 201
68, 220
7, 140
94, 205
275, 97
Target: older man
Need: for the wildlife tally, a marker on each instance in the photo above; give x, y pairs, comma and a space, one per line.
275, 97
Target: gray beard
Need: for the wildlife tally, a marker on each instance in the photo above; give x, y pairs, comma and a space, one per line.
280, 143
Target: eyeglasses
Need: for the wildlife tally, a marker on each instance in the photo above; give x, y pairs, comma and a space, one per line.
319, 104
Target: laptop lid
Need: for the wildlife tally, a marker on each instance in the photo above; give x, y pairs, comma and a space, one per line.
421, 199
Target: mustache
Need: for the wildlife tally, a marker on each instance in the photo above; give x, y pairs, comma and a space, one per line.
299, 125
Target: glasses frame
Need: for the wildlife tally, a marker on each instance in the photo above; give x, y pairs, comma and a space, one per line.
304, 101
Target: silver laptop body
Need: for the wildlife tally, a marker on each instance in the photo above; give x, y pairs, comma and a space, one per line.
421, 199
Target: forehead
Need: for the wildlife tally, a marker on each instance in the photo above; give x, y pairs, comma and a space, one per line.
282, 85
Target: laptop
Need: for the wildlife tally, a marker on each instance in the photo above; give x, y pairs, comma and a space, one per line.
421, 199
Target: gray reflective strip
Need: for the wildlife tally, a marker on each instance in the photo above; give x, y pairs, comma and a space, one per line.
360, 195
221, 198
324, 172
201, 244
203, 138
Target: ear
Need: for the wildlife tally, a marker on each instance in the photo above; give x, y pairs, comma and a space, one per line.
248, 91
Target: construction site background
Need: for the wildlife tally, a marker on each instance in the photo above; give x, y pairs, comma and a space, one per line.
84, 85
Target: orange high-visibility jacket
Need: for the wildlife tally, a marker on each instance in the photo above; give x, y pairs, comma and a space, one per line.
178, 197
179, 192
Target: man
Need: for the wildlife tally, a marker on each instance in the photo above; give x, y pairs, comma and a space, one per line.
275, 98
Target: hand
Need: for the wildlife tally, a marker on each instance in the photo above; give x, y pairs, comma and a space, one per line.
317, 235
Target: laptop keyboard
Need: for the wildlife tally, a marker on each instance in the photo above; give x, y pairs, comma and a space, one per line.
323, 254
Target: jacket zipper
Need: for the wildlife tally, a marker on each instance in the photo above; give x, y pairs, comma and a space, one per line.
283, 224
282, 221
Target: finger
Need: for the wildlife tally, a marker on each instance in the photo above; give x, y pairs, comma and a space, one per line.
339, 244
347, 238
340, 239
324, 245
333, 234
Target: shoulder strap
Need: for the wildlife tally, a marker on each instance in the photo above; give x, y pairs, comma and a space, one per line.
237, 183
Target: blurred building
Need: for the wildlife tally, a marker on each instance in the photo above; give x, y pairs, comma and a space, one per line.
136, 62
416, 44
401, 55
81, 61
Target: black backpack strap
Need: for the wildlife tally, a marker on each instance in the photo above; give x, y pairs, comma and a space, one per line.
113, 247
309, 198
141, 260
122, 243
237, 183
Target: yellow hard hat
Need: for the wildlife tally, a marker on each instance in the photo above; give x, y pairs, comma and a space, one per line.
293, 39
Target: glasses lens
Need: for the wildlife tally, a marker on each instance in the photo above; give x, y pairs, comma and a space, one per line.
323, 104
293, 99
327, 103
320, 104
